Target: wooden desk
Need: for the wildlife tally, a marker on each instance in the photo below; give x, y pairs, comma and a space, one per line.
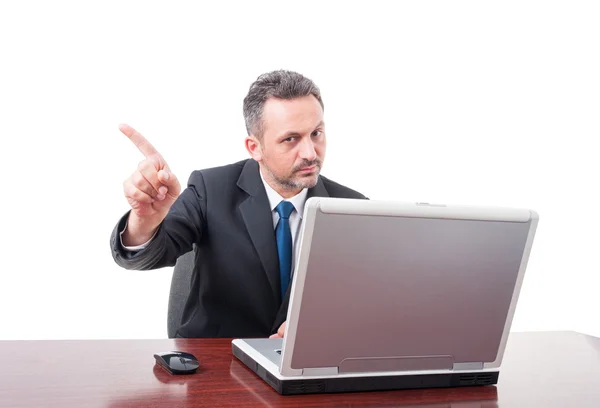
549, 369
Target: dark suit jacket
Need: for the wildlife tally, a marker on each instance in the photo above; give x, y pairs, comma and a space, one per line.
235, 283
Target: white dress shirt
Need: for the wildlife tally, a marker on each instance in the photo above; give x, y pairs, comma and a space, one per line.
274, 199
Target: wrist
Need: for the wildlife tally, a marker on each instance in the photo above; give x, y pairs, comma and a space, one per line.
138, 230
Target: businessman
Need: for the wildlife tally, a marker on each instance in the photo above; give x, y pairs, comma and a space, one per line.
244, 218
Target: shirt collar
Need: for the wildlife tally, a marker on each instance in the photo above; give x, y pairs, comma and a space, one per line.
274, 198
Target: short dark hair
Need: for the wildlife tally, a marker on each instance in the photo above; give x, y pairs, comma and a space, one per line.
279, 84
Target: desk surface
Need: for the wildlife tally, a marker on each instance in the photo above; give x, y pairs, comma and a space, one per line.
544, 369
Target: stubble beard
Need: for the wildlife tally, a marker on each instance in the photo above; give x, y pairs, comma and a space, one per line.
297, 181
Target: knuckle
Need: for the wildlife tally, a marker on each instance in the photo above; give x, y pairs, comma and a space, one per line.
129, 190
145, 165
133, 193
152, 162
140, 196
142, 184
148, 177
157, 160
138, 179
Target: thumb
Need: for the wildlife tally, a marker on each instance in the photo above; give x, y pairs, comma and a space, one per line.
169, 180
281, 331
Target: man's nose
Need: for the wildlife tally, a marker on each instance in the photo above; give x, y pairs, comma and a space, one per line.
307, 150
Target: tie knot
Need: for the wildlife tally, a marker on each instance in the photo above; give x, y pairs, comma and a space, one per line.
284, 209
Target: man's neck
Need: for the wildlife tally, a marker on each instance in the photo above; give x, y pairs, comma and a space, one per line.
287, 193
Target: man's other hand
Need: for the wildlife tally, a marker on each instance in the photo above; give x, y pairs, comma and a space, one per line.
280, 332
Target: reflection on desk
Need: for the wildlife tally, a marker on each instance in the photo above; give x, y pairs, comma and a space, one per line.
546, 369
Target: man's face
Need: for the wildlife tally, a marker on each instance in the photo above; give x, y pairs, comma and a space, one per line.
292, 148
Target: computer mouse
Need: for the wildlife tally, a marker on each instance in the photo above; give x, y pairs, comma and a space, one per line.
177, 362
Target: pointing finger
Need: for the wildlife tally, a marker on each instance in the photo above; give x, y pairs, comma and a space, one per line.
140, 141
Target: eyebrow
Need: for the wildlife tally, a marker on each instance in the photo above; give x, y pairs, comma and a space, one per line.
296, 134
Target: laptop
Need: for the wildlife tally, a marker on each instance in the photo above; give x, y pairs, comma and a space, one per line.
392, 295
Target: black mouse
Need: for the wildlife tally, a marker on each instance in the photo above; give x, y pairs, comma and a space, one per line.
177, 362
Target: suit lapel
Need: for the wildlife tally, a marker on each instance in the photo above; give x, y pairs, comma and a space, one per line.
258, 218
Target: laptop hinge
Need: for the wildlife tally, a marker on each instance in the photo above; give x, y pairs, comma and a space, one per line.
467, 366
320, 371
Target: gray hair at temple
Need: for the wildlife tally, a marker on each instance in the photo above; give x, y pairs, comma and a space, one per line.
279, 84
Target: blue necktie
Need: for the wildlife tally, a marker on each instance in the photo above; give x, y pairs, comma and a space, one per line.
283, 234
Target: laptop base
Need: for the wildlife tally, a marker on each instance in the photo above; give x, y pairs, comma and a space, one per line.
366, 383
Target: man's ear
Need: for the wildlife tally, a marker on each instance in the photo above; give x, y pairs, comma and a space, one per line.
254, 147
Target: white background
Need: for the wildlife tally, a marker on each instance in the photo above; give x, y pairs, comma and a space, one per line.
456, 102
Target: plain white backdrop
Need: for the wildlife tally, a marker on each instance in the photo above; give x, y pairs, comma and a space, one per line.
455, 102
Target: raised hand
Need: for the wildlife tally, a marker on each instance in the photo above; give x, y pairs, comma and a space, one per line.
150, 191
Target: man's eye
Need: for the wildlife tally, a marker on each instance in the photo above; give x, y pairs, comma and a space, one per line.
316, 133
289, 139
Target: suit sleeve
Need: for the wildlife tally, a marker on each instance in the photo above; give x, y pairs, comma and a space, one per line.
183, 226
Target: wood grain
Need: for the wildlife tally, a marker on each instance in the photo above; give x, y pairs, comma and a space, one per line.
545, 369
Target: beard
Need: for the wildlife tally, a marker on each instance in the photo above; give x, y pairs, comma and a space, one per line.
295, 181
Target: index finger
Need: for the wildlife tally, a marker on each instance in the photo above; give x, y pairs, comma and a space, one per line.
140, 141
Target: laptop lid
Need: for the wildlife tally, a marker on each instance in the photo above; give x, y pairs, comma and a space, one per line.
387, 286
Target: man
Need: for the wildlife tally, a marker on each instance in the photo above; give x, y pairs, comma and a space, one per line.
244, 218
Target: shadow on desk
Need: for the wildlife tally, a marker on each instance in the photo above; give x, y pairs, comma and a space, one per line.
471, 397
248, 390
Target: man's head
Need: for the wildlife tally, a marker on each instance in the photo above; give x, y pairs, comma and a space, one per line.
286, 132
